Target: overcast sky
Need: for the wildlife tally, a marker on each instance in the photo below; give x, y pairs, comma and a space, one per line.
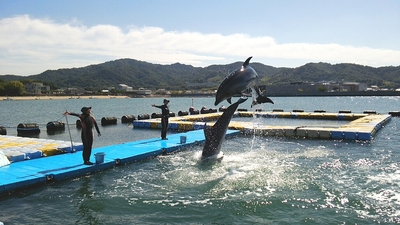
38, 35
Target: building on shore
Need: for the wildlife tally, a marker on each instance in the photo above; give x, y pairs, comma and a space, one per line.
142, 91
310, 88
37, 88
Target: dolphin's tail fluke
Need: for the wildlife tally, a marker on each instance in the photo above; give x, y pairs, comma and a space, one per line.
261, 99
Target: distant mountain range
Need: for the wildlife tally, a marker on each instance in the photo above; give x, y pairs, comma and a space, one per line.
178, 76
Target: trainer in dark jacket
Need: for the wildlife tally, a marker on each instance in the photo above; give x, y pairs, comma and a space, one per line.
87, 122
164, 119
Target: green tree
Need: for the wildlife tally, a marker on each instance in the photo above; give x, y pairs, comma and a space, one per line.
321, 89
14, 88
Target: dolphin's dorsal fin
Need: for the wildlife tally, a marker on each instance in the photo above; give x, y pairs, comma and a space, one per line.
247, 61
229, 100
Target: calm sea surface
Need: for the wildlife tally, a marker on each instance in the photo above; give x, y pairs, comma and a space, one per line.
261, 180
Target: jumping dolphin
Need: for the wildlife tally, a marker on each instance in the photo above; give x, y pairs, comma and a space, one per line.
216, 134
238, 81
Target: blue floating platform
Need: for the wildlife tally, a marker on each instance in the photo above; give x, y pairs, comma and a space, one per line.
361, 128
64, 166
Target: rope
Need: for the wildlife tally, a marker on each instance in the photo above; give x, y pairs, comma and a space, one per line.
39, 124
60, 118
8, 127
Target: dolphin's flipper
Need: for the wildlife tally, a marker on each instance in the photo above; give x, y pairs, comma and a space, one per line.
247, 61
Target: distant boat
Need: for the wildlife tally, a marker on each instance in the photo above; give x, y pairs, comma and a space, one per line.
8, 99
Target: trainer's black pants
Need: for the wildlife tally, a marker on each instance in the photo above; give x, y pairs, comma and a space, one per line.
164, 126
87, 140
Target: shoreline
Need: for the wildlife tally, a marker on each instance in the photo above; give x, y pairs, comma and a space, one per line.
21, 98
319, 94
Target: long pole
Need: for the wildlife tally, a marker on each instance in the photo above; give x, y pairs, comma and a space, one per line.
70, 138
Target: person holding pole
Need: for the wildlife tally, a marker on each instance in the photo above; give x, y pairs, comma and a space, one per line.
164, 118
87, 122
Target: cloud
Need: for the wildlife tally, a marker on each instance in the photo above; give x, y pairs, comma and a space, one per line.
30, 46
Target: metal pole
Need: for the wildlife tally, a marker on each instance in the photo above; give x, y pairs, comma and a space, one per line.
70, 138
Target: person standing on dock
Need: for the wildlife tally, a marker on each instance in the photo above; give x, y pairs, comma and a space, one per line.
87, 122
164, 118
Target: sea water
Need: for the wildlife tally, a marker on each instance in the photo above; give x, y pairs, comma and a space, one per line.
261, 180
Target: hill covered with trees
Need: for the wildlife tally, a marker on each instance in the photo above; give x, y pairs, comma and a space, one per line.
178, 76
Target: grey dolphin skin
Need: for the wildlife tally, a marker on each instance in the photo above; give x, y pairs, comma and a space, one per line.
238, 81
215, 135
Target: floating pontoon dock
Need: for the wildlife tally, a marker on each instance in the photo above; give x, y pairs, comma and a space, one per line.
59, 167
24, 148
363, 126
